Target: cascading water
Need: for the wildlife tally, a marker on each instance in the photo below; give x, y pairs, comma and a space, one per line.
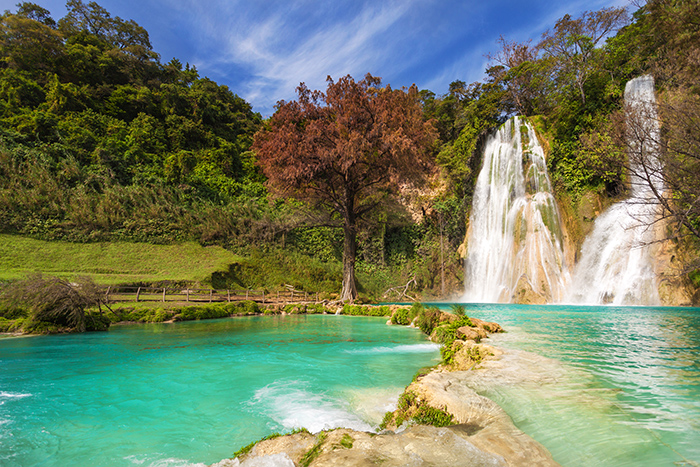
616, 258
514, 242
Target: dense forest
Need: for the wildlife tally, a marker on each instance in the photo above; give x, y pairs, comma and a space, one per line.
100, 141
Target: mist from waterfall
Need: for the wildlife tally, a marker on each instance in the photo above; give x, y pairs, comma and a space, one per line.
616, 264
515, 236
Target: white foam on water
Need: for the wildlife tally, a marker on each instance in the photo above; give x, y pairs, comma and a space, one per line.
11, 395
371, 404
292, 406
411, 348
156, 461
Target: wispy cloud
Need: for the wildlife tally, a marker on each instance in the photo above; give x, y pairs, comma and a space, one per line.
293, 42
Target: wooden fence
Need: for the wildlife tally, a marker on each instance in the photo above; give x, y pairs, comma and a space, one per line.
165, 294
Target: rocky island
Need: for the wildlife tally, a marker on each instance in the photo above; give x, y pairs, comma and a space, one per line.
440, 420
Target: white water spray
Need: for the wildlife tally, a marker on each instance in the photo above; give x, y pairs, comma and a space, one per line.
514, 242
616, 258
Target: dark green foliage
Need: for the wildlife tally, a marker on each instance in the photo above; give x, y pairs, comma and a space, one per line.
186, 313
316, 309
458, 309
214, 311
305, 308
427, 415
400, 316
196, 312
447, 352
94, 127
143, 315
416, 309
446, 333
95, 321
411, 407
428, 319
406, 400
5, 324
365, 310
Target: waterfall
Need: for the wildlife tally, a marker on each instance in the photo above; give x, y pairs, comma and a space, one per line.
514, 249
616, 258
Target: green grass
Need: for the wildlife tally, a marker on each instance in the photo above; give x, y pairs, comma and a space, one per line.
111, 262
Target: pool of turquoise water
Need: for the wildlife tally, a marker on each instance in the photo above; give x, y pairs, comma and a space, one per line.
629, 389
190, 393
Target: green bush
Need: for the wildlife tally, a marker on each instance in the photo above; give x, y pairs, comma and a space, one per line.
427, 415
364, 310
295, 309
246, 307
416, 309
428, 320
400, 316
316, 309
95, 321
198, 312
12, 312
442, 334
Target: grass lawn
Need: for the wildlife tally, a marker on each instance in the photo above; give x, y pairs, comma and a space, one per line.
111, 262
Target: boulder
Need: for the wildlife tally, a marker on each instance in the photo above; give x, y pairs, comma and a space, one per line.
470, 334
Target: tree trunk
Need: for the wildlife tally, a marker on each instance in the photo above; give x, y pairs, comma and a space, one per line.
349, 292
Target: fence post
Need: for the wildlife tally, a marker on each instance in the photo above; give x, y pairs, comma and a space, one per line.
211, 292
246, 294
278, 295
228, 295
107, 293
263, 297
138, 292
187, 291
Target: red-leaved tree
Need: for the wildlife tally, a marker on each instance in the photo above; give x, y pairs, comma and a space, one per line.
346, 149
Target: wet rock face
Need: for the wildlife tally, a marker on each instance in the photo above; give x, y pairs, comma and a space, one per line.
525, 295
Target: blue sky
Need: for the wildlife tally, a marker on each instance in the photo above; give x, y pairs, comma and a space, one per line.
263, 49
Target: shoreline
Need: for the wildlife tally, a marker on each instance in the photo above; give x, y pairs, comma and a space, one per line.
479, 431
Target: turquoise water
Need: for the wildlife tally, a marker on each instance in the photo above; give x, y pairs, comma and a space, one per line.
626, 390
624, 387
189, 393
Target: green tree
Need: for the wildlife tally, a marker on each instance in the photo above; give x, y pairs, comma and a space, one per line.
573, 43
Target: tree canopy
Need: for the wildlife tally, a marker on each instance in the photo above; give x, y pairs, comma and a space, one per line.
344, 150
